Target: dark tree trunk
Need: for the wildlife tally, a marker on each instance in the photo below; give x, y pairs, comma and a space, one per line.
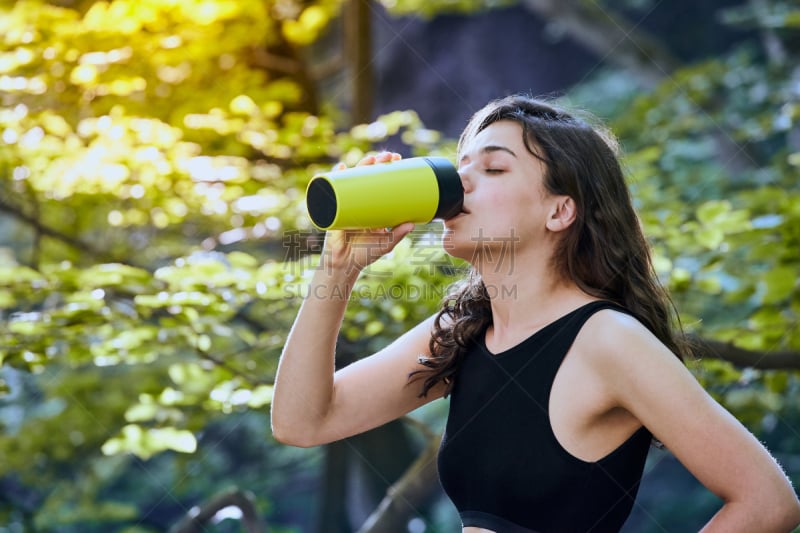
358, 52
332, 515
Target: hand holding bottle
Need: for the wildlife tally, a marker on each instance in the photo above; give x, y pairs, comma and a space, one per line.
352, 250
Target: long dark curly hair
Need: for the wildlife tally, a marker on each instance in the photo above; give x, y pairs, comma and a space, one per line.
603, 251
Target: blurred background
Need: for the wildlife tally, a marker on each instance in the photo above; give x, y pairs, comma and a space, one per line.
154, 244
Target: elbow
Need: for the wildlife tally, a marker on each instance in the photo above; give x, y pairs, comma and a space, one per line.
785, 515
792, 516
292, 434
301, 428
787, 522
776, 511
291, 438
790, 512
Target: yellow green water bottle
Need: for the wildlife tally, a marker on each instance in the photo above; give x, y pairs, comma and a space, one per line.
418, 189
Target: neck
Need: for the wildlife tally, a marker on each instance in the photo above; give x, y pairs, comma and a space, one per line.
527, 293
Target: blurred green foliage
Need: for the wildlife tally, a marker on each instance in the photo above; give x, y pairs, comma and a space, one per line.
155, 247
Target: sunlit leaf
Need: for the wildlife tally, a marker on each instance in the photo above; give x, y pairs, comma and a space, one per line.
144, 442
779, 283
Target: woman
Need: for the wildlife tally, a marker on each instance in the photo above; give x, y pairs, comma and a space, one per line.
557, 352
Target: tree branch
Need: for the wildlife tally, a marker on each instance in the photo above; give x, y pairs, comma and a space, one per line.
774, 48
44, 230
762, 360
263, 58
407, 495
609, 36
197, 517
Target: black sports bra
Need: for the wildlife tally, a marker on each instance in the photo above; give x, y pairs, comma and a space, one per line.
500, 462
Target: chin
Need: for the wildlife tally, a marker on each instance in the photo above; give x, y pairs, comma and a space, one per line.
453, 247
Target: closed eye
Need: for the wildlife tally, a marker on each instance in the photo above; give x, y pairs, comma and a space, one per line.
494, 170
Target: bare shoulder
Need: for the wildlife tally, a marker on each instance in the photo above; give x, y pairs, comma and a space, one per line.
610, 323
629, 361
616, 337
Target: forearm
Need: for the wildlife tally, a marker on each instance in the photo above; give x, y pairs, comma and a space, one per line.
304, 381
735, 517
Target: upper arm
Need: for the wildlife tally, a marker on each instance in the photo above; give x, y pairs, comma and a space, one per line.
376, 389
649, 381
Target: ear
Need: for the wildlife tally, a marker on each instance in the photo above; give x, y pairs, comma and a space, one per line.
562, 213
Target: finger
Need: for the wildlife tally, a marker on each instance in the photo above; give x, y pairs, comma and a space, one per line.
368, 160
398, 232
339, 166
384, 157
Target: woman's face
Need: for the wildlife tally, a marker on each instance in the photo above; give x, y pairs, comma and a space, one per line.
505, 202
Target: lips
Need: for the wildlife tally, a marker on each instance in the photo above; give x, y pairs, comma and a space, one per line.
460, 214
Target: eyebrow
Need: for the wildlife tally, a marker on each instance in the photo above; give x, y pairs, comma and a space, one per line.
493, 148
